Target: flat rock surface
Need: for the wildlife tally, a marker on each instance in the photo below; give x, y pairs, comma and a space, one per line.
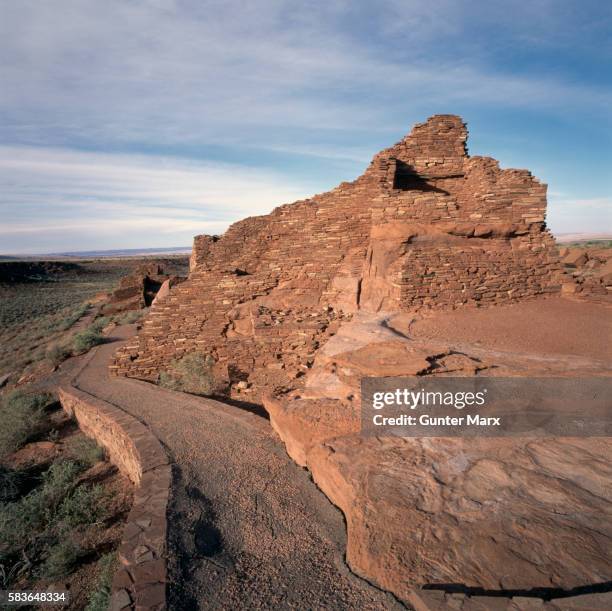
554, 327
499, 514
248, 528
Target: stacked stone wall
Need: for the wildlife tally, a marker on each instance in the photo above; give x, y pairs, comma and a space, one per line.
425, 226
140, 581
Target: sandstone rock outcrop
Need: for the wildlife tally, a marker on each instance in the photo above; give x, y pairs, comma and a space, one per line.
503, 515
590, 270
486, 513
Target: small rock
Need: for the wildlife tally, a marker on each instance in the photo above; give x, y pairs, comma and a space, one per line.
120, 600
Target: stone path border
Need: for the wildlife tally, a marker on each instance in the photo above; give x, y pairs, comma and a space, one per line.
140, 582
432, 600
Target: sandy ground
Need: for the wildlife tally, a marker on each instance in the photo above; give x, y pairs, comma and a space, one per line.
544, 327
248, 528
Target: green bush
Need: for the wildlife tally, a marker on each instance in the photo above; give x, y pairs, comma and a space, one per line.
100, 598
87, 452
99, 323
86, 340
85, 505
22, 417
10, 482
20, 520
169, 381
131, 317
65, 323
124, 318
36, 526
60, 559
37, 511
192, 373
58, 354
58, 479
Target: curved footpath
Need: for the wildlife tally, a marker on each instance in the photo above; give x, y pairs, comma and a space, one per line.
247, 528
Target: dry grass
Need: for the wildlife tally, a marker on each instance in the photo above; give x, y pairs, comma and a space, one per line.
23, 417
38, 313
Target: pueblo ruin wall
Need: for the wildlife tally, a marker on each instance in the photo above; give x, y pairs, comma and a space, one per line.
425, 226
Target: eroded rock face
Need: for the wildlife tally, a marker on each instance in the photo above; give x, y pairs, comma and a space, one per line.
588, 271
498, 514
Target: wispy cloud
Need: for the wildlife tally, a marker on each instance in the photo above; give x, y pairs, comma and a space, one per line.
319, 85
93, 196
182, 71
568, 215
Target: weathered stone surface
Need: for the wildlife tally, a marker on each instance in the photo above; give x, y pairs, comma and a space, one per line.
574, 257
300, 304
200, 251
498, 514
484, 513
164, 289
120, 600
436, 600
588, 272
592, 602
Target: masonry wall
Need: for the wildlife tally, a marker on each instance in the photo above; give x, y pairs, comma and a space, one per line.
425, 226
140, 580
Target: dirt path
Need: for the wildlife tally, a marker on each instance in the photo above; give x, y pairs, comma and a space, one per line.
247, 527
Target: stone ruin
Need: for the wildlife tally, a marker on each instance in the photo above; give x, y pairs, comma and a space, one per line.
426, 226
294, 308
139, 289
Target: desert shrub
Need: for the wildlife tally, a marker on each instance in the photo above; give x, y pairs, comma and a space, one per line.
100, 598
36, 526
38, 355
124, 318
38, 510
22, 417
10, 483
169, 381
11, 571
131, 317
20, 520
59, 476
84, 505
86, 340
65, 323
60, 559
99, 323
58, 354
86, 451
192, 373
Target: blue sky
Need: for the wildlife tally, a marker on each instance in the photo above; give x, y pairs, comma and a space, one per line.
140, 123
